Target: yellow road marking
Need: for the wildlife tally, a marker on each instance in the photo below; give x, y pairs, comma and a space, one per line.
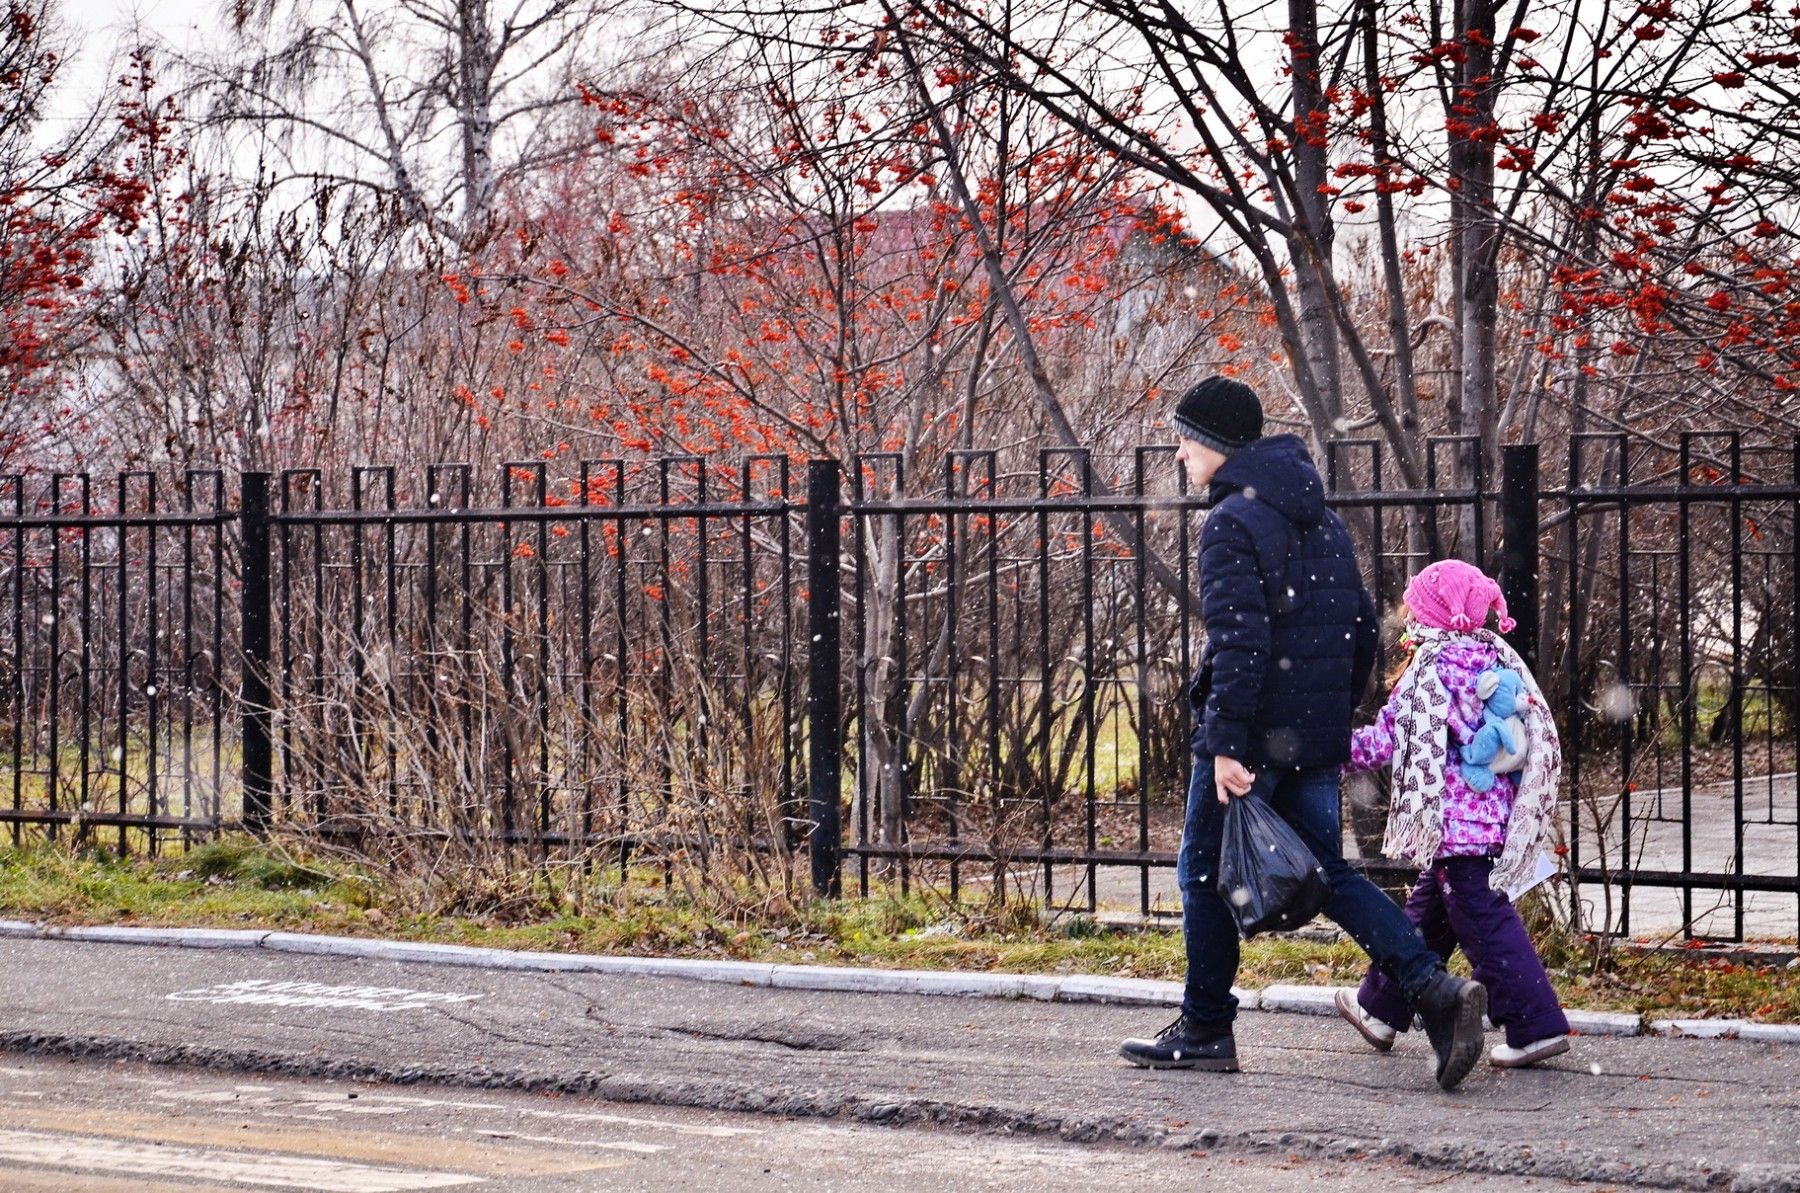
54, 1149
495, 1159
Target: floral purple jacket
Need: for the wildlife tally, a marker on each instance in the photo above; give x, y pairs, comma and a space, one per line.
1474, 821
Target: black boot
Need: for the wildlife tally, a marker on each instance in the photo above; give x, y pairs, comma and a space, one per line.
1182, 1045
1452, 1010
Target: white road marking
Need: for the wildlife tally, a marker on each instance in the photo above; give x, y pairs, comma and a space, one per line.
262, 992
50, 1150
369, 1102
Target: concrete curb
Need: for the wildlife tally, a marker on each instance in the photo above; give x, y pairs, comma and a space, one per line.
1613, 1023
1726, 1029
1301, 1000
1130, 992
193, 938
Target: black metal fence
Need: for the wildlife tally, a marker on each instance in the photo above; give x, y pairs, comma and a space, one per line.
597, 662
605, 659
1019, 647
119, 659
1681, 698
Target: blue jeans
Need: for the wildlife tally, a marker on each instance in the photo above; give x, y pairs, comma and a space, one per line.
1308, 800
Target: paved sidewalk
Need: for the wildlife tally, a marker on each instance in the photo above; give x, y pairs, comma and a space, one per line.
1657, 1112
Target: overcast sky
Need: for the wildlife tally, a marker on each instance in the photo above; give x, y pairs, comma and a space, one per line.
97, 26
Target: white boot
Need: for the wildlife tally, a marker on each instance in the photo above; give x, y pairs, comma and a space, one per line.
1505, 1056
1379, 1034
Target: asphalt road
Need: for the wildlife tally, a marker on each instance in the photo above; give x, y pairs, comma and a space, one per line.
1650, 1111
106, 1127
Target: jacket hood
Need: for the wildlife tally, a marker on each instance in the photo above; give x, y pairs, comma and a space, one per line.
1278, 471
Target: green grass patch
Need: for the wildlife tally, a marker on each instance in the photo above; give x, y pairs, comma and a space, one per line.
227, 883
236, 882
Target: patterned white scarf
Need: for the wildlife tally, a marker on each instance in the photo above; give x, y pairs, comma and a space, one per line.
1415, 828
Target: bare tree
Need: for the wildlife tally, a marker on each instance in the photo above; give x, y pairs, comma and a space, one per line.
437, 103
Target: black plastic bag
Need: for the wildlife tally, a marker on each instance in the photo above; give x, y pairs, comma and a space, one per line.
1267, 875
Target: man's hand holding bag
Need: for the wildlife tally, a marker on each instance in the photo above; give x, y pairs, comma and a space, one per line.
1267, 875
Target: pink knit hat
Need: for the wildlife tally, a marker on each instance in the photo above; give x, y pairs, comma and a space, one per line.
1453, 595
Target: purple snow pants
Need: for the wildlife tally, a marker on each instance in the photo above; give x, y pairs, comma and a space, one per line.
1453, 905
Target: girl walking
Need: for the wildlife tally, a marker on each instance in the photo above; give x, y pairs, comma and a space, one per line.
1474, 834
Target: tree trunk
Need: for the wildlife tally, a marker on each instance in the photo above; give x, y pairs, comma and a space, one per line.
1477, 230
1312, 248
474, 102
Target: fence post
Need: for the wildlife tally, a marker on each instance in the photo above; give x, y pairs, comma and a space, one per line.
1519, 545
253, 574
825, 760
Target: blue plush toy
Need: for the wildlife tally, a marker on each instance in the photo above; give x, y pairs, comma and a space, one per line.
1498, 747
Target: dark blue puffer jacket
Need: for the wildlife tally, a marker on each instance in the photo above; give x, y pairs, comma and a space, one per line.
1290, 629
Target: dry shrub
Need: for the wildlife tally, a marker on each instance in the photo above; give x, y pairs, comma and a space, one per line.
490, 779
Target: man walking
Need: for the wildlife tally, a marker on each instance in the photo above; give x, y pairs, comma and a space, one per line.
1290, 641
